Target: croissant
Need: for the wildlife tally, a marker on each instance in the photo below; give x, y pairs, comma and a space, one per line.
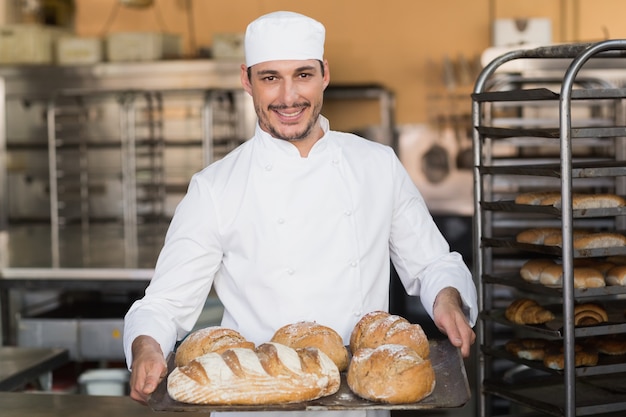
379, 327
588, 314
527, 311
271, 374
555, 358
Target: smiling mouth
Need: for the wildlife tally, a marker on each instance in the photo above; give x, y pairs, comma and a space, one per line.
290, 114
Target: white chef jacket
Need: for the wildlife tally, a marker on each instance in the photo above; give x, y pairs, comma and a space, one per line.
284, 239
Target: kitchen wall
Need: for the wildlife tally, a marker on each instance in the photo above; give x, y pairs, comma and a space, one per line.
399, 43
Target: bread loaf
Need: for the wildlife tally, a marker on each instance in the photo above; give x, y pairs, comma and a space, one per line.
580, 201
535, 198
209, 339
555, 358
532, 349
599, 240
527, 311
612, 344
271, 374
531, 269
390, 373
537, 236
616, 275
379, 328
584, 277
311, 334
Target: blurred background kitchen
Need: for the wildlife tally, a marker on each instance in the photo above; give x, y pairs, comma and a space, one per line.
107, 107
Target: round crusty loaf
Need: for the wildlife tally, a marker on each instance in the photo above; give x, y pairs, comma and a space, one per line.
393, 374
537, 236
215, 339
379, 328
271, 374
584, 277
311, 334
535, 198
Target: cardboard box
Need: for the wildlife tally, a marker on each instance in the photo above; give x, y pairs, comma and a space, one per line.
142, 46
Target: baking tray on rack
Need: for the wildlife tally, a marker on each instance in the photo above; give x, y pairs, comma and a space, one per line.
451, 391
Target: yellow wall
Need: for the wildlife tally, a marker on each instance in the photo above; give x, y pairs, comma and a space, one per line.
398, 43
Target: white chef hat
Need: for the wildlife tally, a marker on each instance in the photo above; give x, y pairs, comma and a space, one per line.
283, 36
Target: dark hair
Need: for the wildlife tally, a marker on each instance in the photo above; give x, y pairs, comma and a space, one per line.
250, 70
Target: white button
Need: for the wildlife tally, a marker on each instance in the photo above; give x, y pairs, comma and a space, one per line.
268, 167
335, 161
353, 264
280, 220
290, 271
357, 313
347, 213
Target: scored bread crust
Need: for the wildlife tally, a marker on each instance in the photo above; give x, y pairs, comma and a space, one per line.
209, 339
312, 334
271, 374
391, 373
379, 327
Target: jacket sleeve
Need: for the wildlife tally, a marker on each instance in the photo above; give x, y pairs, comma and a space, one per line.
183, 276
421, 254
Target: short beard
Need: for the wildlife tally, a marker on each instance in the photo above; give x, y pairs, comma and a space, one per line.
295, 137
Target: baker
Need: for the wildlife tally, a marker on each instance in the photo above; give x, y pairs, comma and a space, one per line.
299, 223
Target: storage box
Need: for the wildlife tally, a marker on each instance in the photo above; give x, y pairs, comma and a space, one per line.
228, 45
142, 46
88, 332
28, 43
76, 50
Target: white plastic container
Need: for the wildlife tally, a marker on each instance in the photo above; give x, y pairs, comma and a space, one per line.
113, 382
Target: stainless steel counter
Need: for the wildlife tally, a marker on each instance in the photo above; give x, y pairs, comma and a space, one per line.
18, 365
70, 405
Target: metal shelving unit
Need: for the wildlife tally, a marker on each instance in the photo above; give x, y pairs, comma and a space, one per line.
571, 151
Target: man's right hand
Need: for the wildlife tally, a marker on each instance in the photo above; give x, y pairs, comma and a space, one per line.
148, 368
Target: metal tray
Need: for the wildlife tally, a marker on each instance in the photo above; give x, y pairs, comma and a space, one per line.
451, 391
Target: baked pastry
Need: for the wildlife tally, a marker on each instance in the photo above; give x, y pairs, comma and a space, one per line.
613, 344
616, 275
599, 240
209, 339
527, 311
555, 358
535, 198
380, 328
589, 314
584, 277
532, 349
531, 269
311, 334
271, 374
616, 259
390, 373
580, 201
537, 236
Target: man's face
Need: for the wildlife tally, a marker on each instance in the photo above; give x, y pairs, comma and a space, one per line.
288, 97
